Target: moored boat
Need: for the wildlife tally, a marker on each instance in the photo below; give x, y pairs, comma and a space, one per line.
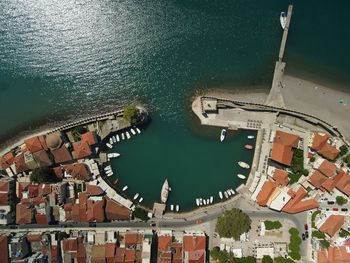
128, 135
232, 191
165, 191
229, 192
109, 173
226, 194
220, 195
138, 130
244, 165
171, 207
111, 140
197, 201
222, 135
141, 199
116, 181
133, 131
114, 139
204, 202
211, 199
250, 137
248, 146
241, 176
125, 188
123, 136
200, 201
177, 208
136, 196
113, 155
109, 145
118, 139
283, 20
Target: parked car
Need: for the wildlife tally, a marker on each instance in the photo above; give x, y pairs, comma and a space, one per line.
303, 236
306, 227
307, 234
152, 224
330, 202
344, 209
335, 209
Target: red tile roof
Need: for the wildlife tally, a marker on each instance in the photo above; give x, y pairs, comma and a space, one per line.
332, 225
110, 250
327, 168
33, 190
22, 186
133, 239
44, 189
4, 249
35, 144
4, 192
93, 189
98, 254
317, 179
319, 140
266, 191
297, 204
24, 215
41, 219
89, 137
195, 246
115, 211
61, 155
334, 255
286, 139
343, 183
34, 237
6, 160
164, 243
42, 158
88, 210
281, 177
120, 255
78, 171
76, 247
282, 154
81, 149
328, 151
20, 164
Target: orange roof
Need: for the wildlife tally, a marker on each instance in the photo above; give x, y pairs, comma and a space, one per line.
41, 219
4, 189
35, 144
344, 182
6, 160
287, 139
266, 191
297, 205
317, 179
132, 239
164, 243
130, 255
93, 189
20, 164
329, 185
61, 155
119, 255
42, 158
281, 153
44, 189
4, 249
78, 171
328, 151
81, 149
318, 141
24, 215
115, 211
334, 255
110, 250
196, 257
34, 237
194, 243
281, 177
332, 225
89, 137
327, 168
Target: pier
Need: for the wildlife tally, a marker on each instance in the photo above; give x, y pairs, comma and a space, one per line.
275, 97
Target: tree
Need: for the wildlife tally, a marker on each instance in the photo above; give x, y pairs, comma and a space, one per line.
283, 260
294, 245
312, 159
130, 113
269, 225
341, 200
42, 175
343, 150
233, 223
140, 213
267, 259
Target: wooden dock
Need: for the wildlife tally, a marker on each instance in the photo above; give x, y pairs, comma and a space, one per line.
275, 97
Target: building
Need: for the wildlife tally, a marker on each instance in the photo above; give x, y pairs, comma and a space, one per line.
332, 225
194, 247
282, 147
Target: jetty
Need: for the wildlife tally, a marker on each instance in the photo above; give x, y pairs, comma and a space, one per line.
275, 97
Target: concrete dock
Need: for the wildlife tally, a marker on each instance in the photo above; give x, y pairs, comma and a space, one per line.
275, 97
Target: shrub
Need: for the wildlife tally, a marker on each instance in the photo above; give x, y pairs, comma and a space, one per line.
340, 200
267, 259
233, 223
130, 113
140, 213
318, 234
312, 159
324, 243
269, 225
283, 260
294, 245
343, 150
313, 217
294, 177
343, 233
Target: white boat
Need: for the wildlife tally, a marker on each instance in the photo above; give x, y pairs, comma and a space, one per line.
171, 207
283, 20
220, 195
111, 140
229, 192
133, 131
177, 208
241, 176
124, 188
109, 173
141, 199
138, 130
136, 196
250, 137
123, 136
113, 155
211, 199
164, 192
118, 139
107, 168
109, 145
200, 201
225, 194
197, 201
223, 135
232, 191
128, 135
204, 202
244, 165
114, 139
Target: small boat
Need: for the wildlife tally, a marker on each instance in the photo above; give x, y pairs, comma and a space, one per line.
118, 139
223, 135
248, 146
123, 136
220, 195
109, 145
229, 192
107, 168
171, 207
111, 140
250, 137
124, 188
141, 199
226, 194
232, 191
114, 139
165, 191
283, 20
177, 208
211, 199
116, 181
208, 201
136, 196
138, 130
133, 131
128, 135
113, 155
241, 176
204, 202
200, 201
197, 201
244, 165
109, 173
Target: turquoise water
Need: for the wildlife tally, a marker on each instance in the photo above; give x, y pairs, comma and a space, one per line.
65, 59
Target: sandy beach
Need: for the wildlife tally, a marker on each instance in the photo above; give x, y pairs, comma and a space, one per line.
331, 105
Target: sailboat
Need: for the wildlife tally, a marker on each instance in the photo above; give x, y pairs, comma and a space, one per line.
165, 191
